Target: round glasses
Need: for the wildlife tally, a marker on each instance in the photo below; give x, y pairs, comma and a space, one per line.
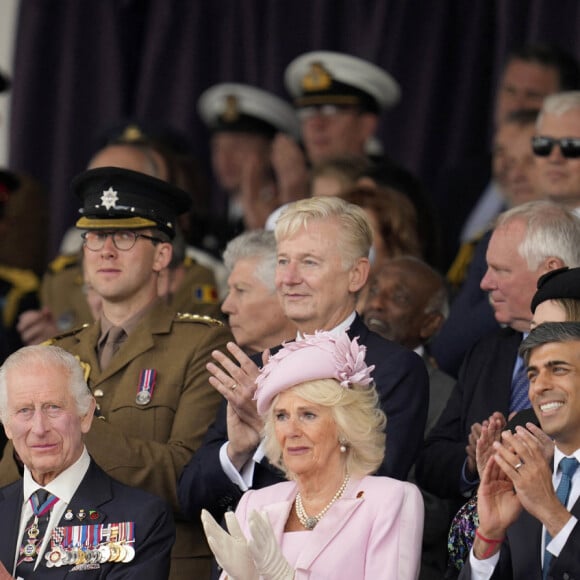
123, 240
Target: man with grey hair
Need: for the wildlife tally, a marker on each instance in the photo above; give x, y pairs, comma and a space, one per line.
255, 316
528, 241
46, 408
556, 147
529, 509
322, 263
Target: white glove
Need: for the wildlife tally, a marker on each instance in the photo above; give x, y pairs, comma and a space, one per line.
230, 550
264, 549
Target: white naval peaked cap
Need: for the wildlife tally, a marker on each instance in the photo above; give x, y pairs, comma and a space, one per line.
325, 77
244, 108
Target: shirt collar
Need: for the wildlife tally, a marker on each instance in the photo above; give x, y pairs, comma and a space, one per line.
63, 485
342, 327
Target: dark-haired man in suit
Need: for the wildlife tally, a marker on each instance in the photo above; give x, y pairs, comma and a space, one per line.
528, 509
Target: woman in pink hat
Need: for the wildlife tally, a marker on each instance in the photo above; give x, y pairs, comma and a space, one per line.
324, 429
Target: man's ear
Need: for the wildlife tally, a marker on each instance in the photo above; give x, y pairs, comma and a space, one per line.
87, 419
359, 274
553, 263
163, 254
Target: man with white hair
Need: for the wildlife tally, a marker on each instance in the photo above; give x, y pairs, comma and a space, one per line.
254, 313
528, 241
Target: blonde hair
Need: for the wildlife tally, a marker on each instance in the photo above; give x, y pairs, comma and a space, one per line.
359, 421
355, 234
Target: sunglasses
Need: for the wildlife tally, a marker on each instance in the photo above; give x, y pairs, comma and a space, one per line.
569, 146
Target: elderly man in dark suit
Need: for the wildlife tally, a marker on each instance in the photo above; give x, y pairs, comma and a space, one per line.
323, 246
66, 514
528, 241
533, 533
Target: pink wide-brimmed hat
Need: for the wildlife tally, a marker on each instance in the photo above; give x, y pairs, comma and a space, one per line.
322, 355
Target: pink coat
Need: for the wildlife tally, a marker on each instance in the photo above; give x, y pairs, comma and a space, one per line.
374, 531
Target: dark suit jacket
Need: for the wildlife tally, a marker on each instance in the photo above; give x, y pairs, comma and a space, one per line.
403, 388
114, 502
520, 557
483, 387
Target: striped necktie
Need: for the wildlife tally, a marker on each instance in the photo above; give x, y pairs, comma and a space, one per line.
42, 503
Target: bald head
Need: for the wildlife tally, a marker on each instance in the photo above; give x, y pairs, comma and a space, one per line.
131, 156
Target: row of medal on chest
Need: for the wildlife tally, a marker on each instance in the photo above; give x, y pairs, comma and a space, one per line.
102, 554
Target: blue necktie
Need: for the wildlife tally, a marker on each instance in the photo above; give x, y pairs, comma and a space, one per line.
568, 466
519, 399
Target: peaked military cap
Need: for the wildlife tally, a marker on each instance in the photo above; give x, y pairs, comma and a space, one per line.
332, 78
243, 108
560, 283
123, 199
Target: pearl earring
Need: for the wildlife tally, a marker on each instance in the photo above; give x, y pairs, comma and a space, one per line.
342, 442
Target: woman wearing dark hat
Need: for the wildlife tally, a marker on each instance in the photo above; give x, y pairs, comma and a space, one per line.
324, 430
558, 297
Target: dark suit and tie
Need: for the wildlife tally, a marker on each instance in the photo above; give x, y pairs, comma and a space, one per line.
529, 508
113, 502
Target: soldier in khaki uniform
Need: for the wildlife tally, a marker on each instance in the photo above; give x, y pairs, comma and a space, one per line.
154, 398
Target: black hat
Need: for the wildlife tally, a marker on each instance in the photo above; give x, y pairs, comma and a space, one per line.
323, 77
122, 199
560, 283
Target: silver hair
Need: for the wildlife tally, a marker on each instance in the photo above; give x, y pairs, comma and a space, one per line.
551, 231
558, 104
46, 356
259, 244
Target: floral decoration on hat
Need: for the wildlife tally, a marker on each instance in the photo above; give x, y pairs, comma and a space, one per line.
322, 355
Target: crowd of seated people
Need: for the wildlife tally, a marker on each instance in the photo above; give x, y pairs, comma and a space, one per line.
286, 378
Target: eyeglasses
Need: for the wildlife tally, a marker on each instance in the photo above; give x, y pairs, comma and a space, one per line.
123, 240
305, 113
569, 146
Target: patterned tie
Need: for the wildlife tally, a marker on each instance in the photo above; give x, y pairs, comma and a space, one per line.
568, 466
42, 503
115, 337
519, 399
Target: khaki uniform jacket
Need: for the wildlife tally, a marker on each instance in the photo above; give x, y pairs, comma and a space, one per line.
147, 446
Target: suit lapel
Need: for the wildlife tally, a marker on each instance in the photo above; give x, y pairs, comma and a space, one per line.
10, 506
93, 491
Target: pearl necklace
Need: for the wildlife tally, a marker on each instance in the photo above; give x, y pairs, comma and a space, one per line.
309, 522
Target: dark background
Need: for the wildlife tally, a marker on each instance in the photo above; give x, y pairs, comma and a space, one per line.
82, 65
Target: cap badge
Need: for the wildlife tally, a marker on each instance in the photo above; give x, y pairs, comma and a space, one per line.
131, 134
109, 198
317, 78
232, 111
